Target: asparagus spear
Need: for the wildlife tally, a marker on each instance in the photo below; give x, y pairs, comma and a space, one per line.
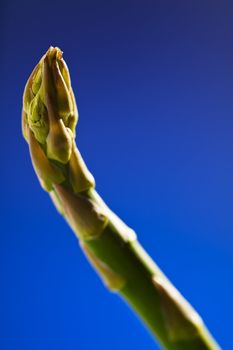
49, 118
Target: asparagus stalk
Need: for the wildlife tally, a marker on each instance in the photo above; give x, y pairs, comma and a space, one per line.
49, 118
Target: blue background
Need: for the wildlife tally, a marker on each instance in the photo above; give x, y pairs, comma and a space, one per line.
154, 87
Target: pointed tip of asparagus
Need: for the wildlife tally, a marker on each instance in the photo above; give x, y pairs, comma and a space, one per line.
54, 52
49, 107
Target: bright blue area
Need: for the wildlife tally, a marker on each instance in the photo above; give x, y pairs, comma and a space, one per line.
154, 87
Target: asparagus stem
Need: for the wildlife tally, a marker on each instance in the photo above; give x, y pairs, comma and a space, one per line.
48, 120
168, 316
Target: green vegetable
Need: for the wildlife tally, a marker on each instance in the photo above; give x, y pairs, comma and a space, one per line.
49, 119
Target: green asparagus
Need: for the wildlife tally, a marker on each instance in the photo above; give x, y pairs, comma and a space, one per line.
49, 119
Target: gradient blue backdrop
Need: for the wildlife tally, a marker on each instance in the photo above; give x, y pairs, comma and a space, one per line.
154, 87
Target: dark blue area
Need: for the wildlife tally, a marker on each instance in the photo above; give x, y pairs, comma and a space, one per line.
154, 87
